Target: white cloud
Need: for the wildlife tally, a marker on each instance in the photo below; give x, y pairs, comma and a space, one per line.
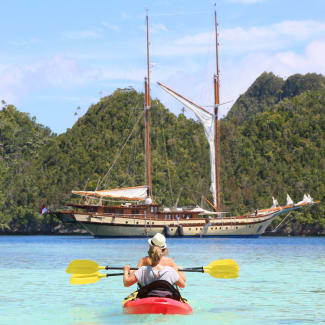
178, 13
81, 35
238, 74
113, 27
155, 28
272, 37
171, 50
253, 50
125, 15
11, 83
17, 80
246, 2
239, 40
124, 74
90, 55
59, 72
197, 39
30, 41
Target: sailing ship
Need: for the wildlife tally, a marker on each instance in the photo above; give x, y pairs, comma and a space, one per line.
137, 215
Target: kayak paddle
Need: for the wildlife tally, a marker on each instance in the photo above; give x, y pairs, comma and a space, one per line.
220, 269
90, 278
87, 269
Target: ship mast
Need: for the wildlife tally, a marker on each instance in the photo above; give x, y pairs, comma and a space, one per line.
216, 108
147, 109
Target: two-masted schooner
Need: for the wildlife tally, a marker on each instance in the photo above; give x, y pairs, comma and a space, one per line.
138, 215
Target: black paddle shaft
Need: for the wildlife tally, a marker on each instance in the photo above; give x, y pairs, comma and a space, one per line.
118, 268
114, 274
193, 269
190, 269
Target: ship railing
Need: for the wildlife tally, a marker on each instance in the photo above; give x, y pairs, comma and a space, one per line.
124, 215
56, 207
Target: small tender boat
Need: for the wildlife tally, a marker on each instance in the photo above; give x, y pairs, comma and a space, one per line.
157, 305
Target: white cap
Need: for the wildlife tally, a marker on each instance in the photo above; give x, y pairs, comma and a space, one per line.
158, 240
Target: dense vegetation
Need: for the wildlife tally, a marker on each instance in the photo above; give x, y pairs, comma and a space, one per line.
272, 143
277, 146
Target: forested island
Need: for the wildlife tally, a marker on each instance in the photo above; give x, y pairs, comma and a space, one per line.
272, 142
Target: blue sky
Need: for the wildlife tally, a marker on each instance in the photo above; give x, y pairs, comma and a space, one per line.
59, 55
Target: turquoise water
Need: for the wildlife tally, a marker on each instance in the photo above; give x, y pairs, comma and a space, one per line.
282, 281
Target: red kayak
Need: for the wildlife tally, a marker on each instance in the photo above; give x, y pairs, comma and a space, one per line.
156, 305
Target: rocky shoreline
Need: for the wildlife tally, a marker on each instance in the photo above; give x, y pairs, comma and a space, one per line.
297, 229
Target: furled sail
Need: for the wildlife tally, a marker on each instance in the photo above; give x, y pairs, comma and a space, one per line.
203, 212
207, 120
138, 193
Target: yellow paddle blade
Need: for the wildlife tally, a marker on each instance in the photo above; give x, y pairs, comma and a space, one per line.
222, 269
83, 267
86, 278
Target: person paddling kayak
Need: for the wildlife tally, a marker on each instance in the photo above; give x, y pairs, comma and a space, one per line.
154, 272
156, 293
159, 240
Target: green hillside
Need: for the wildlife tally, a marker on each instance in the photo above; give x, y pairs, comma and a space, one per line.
278, 151
272, 143
80, 157
268, 90
21, 143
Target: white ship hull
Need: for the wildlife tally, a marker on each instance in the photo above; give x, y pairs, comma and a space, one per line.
101, 225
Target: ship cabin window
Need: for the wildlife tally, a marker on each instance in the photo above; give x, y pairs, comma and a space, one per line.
109, 210
135, 211
156, 217
189, 228
137, 222
92, 209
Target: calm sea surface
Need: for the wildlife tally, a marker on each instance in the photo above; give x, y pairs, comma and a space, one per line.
282, 281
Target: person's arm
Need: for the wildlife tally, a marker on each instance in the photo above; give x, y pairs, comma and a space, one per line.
128, 278
174, 266
181, 274
181, 282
